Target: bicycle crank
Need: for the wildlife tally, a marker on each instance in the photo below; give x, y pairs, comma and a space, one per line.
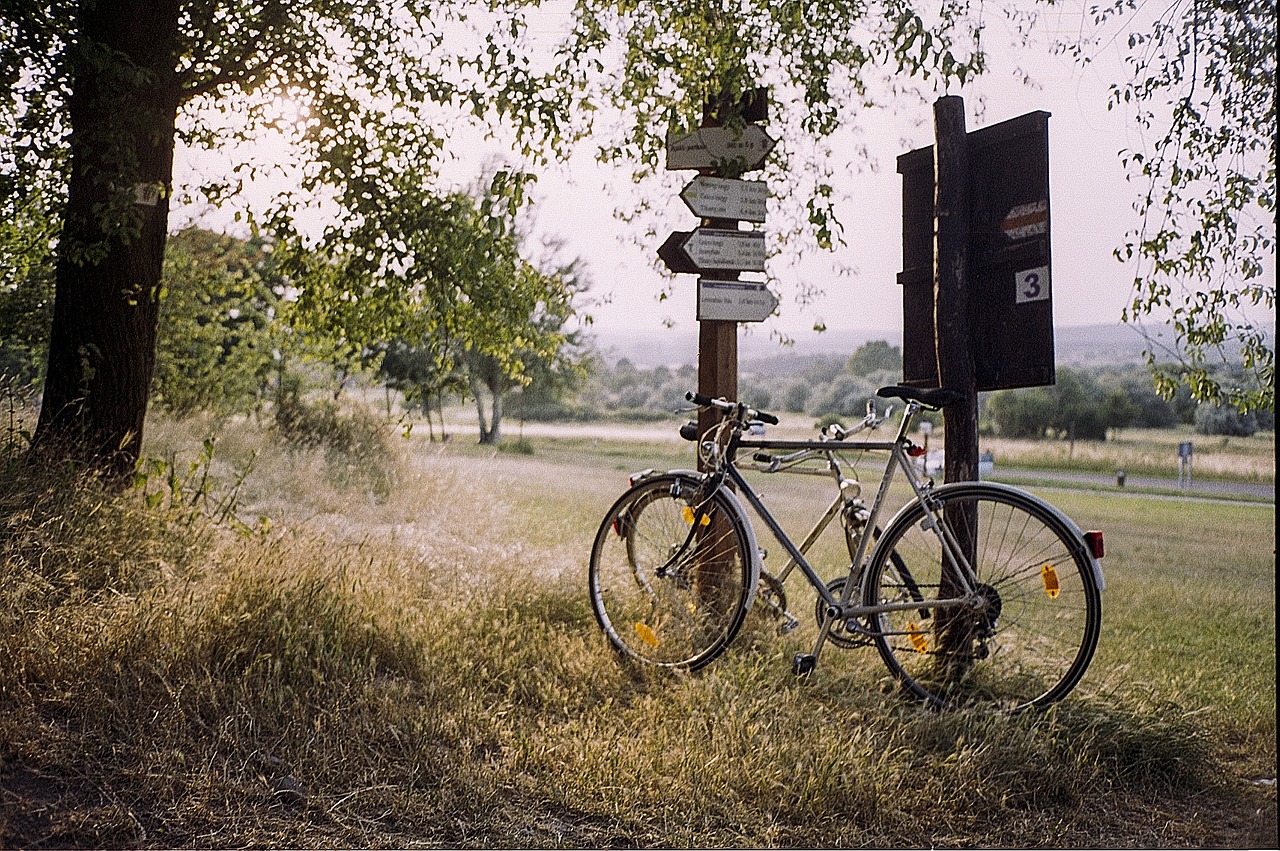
840, 634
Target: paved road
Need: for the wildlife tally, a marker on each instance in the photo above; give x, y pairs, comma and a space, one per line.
668, 432
1198, 487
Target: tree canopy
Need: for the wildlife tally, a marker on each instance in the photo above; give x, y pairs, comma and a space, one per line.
365, 100
1202, 88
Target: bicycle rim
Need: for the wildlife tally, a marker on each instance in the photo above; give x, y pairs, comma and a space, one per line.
1029, 641
670, 573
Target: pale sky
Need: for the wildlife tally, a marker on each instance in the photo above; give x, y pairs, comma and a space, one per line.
1091, 204
1091, 207
1090, 201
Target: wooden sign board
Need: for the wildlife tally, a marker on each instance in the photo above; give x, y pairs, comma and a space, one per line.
706, 249
719, 147
1010, 280
725, 198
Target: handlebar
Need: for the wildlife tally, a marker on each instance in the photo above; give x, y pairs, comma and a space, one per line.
737, 408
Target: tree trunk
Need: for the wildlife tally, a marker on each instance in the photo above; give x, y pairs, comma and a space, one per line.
123, 111
495, 417
485, 437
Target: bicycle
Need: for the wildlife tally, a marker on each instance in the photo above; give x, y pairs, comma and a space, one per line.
974, 592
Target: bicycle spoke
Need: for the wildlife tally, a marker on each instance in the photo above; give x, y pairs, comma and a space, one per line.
670, 576
1032, 634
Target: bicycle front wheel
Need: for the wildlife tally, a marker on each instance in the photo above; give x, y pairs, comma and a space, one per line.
671, 574
1027, 639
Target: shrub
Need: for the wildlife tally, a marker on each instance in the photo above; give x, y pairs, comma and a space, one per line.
356, 448
1212, 419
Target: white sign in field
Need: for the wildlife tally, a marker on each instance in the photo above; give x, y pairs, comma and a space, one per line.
716, 147
734, 301
724, 198
1032, 285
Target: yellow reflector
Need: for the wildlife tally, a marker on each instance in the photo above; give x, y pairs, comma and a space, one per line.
918, 639
1050, 577
646, 635
688, 517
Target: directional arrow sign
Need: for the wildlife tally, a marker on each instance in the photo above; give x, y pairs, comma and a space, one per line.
722, 198
734, 301
709, 248
712, 147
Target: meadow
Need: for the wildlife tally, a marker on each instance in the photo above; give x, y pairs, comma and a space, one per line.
262, 646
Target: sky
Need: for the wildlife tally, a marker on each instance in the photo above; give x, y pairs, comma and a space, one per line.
1091, 205
1090, 199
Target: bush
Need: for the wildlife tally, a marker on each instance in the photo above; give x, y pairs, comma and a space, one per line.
1212, 419
356, 448
1026, 414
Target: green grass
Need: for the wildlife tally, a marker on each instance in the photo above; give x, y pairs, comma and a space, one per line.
1147, 452
421, 668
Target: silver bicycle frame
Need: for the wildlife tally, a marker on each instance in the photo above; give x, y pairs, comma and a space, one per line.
839, 608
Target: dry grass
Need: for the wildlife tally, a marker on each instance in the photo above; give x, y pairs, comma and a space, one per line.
1147, 451
422, 669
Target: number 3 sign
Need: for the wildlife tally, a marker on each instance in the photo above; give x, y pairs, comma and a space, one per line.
1033, 285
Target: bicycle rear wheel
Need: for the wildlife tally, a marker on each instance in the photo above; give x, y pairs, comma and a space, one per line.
671, 575
1028, 641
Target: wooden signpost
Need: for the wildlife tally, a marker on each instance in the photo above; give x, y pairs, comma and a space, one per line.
719, 250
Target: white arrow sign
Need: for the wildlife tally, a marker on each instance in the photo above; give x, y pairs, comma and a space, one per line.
743, 250
712, 147
734, 301
723, 198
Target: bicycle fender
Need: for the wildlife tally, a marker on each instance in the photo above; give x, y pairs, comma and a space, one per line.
1067, 522
756, 563
695, 478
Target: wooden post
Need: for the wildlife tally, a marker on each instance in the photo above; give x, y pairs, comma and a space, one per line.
951, 289
718, 339
955, 356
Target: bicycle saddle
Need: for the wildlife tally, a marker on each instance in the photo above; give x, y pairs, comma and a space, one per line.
935, 397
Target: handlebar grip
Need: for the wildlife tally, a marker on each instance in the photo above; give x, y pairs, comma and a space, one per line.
689, 431
766, 418
763, 458
699, 399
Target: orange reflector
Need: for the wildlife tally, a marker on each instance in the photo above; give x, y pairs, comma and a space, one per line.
687, 512
1050, 577
918, 639
647, 635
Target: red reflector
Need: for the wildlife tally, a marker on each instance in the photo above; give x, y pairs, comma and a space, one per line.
916, 451
1096, 545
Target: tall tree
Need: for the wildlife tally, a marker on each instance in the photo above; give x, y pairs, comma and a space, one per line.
1202, 87
117, 84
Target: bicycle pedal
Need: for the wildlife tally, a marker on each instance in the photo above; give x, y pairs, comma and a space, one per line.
803, 664
789, 624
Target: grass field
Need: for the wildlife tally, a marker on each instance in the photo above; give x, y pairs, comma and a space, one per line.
419, 667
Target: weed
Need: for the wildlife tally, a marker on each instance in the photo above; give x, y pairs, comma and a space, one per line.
426, 671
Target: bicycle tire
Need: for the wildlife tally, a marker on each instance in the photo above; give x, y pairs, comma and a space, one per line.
1032, 639
673, 573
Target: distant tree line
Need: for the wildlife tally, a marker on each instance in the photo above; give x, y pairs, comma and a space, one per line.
1081, 405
